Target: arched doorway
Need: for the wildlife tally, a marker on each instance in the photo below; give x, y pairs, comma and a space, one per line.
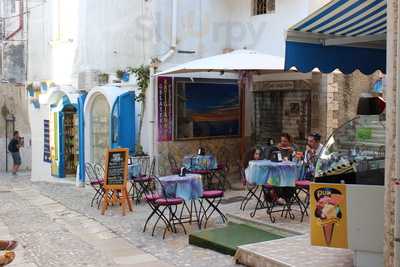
99, 135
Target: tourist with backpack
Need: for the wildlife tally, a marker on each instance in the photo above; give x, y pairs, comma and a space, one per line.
13, 148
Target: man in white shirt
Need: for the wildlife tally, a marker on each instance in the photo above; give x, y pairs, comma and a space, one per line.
314, 148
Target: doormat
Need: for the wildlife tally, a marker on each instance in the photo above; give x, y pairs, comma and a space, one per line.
226, 240
232, 200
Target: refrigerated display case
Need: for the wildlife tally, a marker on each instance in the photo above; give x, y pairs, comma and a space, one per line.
354, 153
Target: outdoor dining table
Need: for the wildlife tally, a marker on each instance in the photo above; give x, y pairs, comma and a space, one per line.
188, 187
200, 162
277, 181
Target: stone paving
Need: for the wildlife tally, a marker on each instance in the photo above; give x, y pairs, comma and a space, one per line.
56, 226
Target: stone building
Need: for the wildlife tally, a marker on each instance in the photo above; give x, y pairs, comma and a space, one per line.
13, 97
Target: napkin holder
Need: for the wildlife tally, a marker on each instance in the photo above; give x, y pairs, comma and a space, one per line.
276, 156
182, 173
201, 151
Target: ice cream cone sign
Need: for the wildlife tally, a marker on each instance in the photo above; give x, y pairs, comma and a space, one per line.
328, 220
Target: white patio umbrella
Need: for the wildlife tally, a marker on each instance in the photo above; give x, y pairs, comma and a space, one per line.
238, 60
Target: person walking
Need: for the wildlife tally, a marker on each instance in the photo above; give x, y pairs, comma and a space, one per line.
13, 148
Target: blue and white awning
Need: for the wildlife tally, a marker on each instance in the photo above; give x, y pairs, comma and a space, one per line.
344, 34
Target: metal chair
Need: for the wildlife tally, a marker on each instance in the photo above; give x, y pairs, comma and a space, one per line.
251, 189
174, 168
95, 183
160, 205
144, 180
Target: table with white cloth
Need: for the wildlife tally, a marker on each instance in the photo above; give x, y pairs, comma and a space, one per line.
262, 172
188, 187
276, 181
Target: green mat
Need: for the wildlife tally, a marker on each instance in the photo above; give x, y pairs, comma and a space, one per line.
226, 240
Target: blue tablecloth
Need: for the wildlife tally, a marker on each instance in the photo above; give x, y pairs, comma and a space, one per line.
200, 163
134, 170
189, 187
284, 174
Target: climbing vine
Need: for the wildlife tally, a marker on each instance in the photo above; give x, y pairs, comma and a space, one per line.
143, 78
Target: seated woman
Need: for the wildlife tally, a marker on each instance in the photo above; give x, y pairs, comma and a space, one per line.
254, 154
286, 146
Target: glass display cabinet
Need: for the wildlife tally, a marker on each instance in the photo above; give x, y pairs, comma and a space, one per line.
354, 153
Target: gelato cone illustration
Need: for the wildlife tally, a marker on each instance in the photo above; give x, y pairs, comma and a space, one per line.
328, 232
328, 212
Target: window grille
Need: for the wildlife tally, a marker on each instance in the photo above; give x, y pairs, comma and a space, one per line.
263, 7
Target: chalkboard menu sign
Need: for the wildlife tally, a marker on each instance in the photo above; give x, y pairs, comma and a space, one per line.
116, 168
116, 178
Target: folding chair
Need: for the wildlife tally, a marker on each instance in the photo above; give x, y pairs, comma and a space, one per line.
160, 205
95, 183
303, 186
251, 189
143, 180
174, 168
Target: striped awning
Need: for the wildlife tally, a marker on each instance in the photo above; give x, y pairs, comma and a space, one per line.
344, 34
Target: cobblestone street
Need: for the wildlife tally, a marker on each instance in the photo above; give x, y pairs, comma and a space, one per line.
56, 226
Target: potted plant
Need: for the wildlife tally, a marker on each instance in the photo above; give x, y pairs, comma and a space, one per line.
120, 74
103, 78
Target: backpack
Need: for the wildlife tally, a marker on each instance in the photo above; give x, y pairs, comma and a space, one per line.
11, 146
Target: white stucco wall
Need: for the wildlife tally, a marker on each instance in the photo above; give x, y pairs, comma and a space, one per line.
40, 169
107, 35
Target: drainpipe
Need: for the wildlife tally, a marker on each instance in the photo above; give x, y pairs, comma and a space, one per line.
152, 84
21, 21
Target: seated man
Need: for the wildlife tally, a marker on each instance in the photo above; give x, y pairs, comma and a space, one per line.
286, 146
314, 148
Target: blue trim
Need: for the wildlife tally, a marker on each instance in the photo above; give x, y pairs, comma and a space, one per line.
123, 127
61, 155
305, 57
81, 115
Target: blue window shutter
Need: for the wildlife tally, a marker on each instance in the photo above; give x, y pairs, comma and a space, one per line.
126, 121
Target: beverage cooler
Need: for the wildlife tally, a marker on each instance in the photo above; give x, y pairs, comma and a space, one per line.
348, 193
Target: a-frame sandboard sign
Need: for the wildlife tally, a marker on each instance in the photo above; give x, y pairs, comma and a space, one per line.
116, 179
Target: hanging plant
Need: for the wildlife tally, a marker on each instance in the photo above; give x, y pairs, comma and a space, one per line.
142, 74
120, 74
103, 78
30, 90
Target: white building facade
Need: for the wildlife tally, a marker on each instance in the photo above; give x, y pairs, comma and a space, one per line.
71, 42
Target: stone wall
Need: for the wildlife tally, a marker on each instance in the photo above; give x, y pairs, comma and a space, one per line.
14, 101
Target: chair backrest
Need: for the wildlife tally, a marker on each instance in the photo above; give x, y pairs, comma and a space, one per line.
223, 156
162, 188
90, 173
172, 163
152, 168
242, 173
99, 171
144, 163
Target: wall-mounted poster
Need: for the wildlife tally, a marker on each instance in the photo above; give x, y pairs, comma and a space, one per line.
328, 212
205, 109
165, 120
46, 141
